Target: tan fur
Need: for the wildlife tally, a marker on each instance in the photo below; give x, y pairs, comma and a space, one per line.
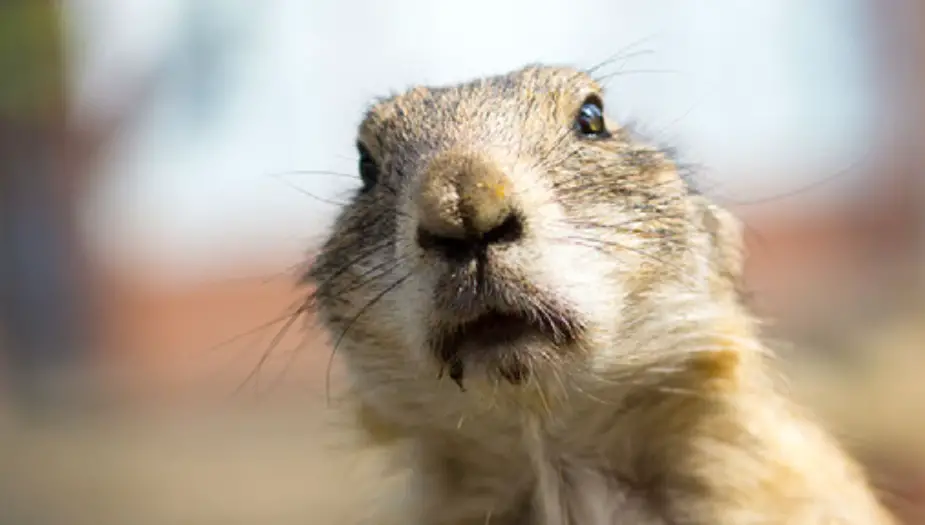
663, 409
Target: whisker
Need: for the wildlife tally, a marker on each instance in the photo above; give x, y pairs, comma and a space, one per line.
621, 224
310, 194
791, 193
603, 79
383, 269
273, 343
623, 53
346, 329
252, 331
544, 157
314, 172
339, 271
595, 243
279, 177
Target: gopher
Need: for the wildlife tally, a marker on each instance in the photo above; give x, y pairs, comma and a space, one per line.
550, 316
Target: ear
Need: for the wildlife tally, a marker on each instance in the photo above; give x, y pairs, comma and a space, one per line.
726, 250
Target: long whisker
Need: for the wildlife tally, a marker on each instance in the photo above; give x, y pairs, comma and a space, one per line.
368, 277
310, 194
295, 311
603, 79
623, 54
791, 193
347, 266
273, 343
314, 172
346, 329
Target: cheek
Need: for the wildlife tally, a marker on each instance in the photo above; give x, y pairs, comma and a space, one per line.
387, 311
577, 266
585, 278
358, 262
411, 311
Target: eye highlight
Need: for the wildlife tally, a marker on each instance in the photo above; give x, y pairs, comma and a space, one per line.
369, 170
590, 119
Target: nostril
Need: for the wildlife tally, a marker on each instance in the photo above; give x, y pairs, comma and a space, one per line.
511, 229
455, 248
460, 248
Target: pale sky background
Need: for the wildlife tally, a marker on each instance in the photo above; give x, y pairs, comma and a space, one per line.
762, 93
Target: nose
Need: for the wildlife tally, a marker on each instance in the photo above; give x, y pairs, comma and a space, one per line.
465, 204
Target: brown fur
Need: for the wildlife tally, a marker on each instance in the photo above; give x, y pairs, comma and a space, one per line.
650, 401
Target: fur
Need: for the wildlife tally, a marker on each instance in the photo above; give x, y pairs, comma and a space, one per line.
652, 399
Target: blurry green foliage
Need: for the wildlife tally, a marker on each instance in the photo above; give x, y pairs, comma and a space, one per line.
31, 60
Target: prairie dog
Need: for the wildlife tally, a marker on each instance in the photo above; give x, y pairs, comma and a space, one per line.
546, 311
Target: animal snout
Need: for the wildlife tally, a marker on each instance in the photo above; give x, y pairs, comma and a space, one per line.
465, 204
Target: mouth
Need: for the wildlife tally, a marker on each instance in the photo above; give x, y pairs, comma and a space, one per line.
506, 341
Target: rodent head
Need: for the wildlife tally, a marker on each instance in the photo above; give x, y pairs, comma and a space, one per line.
505, 223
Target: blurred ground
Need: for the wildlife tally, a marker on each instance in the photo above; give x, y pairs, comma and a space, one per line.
221, 466
165, 432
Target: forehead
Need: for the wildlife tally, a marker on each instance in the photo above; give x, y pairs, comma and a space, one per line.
535, 90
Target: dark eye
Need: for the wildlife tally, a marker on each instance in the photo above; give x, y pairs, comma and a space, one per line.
590, 118
369, 170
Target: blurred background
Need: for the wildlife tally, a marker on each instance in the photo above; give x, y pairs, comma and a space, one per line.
151, 208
